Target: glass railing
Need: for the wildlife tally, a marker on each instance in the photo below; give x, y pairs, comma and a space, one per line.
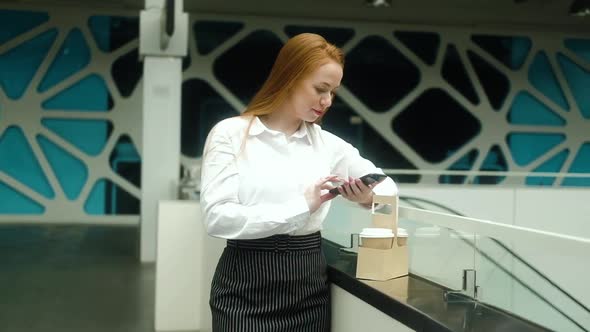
542, 282
538, 276
532, 279
490, 177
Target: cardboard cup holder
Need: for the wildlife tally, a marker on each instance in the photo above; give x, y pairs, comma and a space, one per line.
383, 257
377, 238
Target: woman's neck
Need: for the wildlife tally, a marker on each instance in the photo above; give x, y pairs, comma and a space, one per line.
281, 122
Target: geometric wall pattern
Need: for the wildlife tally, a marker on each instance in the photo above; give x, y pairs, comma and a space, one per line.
67, 125
443, 99
415, 99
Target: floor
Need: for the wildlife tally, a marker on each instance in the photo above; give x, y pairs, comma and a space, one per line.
66, 279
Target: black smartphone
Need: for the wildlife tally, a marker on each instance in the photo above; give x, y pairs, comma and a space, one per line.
366, 179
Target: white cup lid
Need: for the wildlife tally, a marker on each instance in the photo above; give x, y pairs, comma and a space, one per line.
376, 232
401, 232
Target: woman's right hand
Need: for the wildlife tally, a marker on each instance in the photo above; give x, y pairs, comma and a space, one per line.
313, 194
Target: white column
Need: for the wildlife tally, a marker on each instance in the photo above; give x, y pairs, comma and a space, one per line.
162, 84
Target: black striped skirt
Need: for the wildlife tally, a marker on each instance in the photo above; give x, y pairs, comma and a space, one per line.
273, 284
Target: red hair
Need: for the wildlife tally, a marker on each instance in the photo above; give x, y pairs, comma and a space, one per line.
298, 58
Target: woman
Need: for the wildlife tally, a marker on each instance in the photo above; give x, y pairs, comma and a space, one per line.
264, 188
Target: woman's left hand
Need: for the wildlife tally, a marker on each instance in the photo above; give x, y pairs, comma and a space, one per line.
355, 190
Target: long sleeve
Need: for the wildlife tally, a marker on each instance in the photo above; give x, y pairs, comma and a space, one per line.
348, 162
224, 215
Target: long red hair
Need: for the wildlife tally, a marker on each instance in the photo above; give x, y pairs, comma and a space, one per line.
298, 58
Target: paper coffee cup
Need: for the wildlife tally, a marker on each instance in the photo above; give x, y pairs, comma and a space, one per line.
376, 238
402, 237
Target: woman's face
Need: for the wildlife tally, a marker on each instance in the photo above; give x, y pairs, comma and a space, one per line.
312, 97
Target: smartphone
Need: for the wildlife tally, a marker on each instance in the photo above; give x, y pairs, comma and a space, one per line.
366, 179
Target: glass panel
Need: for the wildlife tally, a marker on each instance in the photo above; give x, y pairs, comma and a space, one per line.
580, 47
210, 34
70, 171
437, 254
449, 126
553, 165
577, 78
512, 51
90, 136
17, 22
465, 163
537, 281
345, 218
454, 72
526, 148
14, 202
373, 67
19, 64
494, 162
494, 82
424, 44
89, 94
542, 76
112, 32
529, 111
18, 160
580, 164
126, 162
73, 56
343, 121
245, 66
202, 108
127, 71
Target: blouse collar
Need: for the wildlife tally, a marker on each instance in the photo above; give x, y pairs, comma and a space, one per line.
258, 128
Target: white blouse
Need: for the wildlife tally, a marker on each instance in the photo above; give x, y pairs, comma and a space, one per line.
256, 189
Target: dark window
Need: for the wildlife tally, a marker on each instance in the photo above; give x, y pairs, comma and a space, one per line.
435, 125
244, 67
202, 108
378, 74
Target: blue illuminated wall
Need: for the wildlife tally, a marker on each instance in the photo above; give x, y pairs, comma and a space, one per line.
80, 131
527, 110
18, 66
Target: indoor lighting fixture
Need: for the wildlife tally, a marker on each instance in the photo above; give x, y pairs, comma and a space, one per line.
378, 3
580, 8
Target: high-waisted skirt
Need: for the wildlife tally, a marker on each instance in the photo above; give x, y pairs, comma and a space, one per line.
272, 284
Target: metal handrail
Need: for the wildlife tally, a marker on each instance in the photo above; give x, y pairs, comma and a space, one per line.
390, 171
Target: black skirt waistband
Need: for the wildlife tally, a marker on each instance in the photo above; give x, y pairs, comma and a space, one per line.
280, 242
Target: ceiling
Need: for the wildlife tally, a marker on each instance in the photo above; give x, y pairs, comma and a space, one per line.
546, 12
481, 12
